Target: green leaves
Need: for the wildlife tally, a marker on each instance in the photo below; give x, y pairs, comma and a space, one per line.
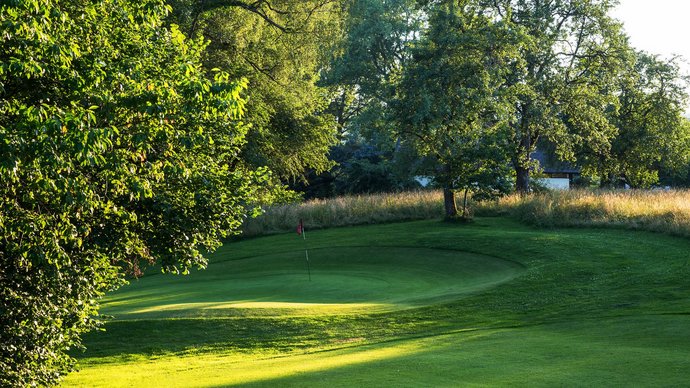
279, 47
451, 102
650, 135
117, 150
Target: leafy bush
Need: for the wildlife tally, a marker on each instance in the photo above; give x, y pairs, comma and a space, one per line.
116, 150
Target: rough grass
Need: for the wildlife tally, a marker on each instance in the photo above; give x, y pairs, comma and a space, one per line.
348, 210
658, 211
592, 307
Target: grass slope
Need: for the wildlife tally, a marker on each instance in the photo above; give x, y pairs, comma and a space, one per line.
530, 307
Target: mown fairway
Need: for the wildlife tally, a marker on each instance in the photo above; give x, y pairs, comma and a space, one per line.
409, 304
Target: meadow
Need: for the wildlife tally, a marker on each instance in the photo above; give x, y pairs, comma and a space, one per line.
657, 211
412, 303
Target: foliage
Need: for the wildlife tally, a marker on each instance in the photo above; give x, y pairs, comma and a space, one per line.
673, 174
363, 73
117, 149
366, 174
375, 48
279, 46
451, 99
361, 168
652, 133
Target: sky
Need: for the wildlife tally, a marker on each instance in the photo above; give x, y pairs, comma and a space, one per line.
658, 27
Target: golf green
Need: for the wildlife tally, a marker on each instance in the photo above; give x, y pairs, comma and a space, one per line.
407, 305
336, 280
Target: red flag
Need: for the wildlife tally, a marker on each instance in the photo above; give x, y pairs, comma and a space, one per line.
300, 227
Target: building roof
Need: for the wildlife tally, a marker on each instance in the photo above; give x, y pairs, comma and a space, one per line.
550, 163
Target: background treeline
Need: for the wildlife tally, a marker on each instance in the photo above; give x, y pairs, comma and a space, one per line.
466, 91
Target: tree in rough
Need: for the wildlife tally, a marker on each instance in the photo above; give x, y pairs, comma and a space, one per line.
452, 100
116, 150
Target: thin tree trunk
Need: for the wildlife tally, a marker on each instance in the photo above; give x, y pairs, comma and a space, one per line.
608, 181
524, 155
465, 212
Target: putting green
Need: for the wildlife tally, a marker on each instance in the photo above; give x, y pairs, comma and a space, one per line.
343, 280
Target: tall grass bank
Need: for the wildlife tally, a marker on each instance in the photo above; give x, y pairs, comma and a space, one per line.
659, 211
348, 210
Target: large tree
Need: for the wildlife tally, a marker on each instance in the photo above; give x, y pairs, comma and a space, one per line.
116, 149
453, 102
652, 134
566, 81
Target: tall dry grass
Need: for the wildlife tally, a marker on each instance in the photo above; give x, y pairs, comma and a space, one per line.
348, 210
659, 211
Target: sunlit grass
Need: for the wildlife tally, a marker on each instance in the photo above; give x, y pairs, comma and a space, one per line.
233, 369
349, 210
589, 307
602, 352
660, 211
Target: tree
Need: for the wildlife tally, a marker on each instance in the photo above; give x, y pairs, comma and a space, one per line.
116, 150
375, 48
651, 134
452, 98
566, 81
364, 73
280, 47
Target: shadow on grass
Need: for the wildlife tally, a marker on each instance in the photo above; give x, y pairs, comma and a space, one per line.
651, 350
633, 351
202, 335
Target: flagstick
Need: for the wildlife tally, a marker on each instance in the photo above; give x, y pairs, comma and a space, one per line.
306, 252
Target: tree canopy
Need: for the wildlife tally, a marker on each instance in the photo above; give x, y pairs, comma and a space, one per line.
452, 98
280, 47
651, 133
117, 149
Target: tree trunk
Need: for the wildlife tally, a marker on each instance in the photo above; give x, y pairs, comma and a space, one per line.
522, 180
608, 181
465, 211
524, 155
449, 202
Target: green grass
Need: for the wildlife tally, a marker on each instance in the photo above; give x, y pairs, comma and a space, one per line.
345, 280
422, 303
